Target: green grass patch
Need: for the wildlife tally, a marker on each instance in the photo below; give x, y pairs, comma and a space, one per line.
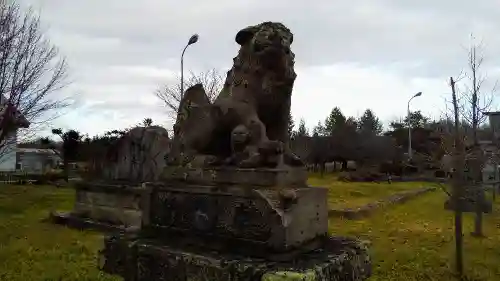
353, 194
413, 241
33, 250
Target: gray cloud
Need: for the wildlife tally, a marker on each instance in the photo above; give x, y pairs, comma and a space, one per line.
121, 50
328, 32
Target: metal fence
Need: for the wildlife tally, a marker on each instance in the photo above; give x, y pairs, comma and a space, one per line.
14, 177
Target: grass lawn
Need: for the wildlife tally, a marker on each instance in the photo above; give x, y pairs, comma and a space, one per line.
352, 194
33, 250
412, 241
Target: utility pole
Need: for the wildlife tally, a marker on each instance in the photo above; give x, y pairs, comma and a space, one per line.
193, 39
409, 125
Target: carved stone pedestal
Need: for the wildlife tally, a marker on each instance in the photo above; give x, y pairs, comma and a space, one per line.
260, 222
105, 206
208, 229
338, 258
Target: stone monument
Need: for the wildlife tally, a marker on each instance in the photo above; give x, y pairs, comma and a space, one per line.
233, 202
110, 197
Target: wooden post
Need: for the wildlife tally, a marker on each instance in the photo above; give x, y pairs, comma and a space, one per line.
494, 191
496, 184
457, 182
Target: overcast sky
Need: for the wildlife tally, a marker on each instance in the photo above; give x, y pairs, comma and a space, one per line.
352, 54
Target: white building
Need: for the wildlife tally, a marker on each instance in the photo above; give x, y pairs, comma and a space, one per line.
37, 160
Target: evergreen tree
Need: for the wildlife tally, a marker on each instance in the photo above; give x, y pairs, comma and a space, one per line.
302, 130
147, 122
335, 121
416, 120
319, 130
351, 124
71, 142
291, 124
369, 123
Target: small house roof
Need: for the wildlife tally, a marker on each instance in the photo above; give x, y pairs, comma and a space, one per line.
492, 113
37, 150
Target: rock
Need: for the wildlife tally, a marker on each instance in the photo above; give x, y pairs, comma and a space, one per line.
137, 156
61, 183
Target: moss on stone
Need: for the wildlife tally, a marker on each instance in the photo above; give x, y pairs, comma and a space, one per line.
289, 276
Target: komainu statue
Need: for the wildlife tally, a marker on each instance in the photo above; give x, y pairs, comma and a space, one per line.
247, 124
233, 194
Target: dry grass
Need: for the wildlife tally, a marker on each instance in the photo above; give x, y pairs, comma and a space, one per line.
351, 194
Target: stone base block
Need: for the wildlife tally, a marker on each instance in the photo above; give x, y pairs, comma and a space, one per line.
74, 221
469, 206
109, 214
289, 177
106, 206
264, 222
339, 259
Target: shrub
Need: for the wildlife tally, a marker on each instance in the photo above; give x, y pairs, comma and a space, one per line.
393, 168
49, 177
344, 176
410, 169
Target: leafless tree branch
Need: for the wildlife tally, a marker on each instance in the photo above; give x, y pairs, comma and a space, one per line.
170, 93
476, 99
31, 71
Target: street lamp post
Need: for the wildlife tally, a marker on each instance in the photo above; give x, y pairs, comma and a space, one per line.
193, 39
409, 125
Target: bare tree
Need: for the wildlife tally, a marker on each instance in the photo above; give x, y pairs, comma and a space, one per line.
476, 100
452, 143
468, 113
170, 93
31, 71
473, 101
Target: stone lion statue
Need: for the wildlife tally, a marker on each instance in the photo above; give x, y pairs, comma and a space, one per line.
256, 98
